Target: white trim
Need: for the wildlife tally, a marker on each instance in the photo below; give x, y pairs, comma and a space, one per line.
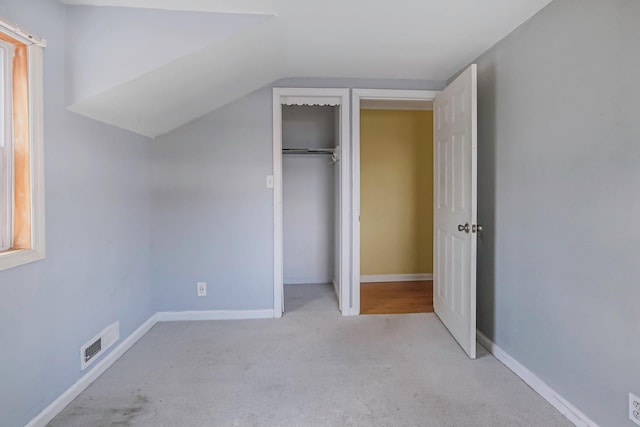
377, 278
311, 100
572, 413
36, 132
402, 105
395, 95
36, 143
6, 149
79, 386
177, 316
278, 239
317, 94
356, 96
345, 203
14, 30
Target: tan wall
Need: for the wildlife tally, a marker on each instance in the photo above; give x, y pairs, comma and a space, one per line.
396, 190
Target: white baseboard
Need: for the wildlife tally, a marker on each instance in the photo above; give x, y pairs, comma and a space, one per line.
174, 316
79, 386
396, 278
572, 413
49, 413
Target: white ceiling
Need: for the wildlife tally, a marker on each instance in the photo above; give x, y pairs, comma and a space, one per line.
400, 39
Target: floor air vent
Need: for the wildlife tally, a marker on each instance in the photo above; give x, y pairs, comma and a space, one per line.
99, 344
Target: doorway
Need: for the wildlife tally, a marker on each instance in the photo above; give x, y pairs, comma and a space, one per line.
396, 207
311, 152
455, 228
384, 284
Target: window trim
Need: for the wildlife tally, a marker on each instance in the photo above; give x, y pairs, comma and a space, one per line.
6, 189
14, 258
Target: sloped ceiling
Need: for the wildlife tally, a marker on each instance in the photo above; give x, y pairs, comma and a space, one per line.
150, 66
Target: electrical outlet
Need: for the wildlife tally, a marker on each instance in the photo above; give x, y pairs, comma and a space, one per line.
202, 289
634, 408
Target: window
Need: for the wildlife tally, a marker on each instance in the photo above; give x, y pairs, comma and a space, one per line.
21, 147
5, 149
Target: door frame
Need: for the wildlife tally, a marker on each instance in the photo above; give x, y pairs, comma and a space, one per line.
358, 95
311, 96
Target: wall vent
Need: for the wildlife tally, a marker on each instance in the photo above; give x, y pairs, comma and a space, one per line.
97, 345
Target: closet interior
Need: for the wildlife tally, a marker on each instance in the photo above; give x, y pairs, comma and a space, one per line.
310, 175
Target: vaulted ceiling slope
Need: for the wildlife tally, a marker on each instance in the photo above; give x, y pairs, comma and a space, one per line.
150, 66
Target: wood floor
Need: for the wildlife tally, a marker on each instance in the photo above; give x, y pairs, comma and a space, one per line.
396, 297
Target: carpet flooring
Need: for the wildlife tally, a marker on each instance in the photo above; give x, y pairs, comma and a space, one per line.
313, 367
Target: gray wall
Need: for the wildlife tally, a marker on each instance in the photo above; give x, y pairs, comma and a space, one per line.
559, 167
308, 195
98, 256
213, 215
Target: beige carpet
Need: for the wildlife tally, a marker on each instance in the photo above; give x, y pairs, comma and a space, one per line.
313, 367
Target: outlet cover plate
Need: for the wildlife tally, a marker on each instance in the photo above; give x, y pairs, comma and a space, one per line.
202, 289
634, 408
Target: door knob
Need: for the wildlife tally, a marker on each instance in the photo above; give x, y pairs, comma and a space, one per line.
464, 228
476, 228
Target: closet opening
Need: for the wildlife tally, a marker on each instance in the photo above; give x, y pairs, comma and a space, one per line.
311, 203
310, 172
393, 197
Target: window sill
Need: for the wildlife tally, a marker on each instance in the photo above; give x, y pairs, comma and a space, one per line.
17, 257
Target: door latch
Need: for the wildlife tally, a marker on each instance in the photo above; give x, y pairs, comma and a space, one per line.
475, 228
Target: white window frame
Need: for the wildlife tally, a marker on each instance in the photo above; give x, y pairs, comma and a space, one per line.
6, 157
13, 258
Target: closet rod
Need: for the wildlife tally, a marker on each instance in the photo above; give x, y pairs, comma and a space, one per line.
308, 151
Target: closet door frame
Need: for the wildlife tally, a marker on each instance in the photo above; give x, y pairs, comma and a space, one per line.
356, 97
312, 96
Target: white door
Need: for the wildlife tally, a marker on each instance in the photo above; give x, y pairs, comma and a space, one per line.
455, 237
